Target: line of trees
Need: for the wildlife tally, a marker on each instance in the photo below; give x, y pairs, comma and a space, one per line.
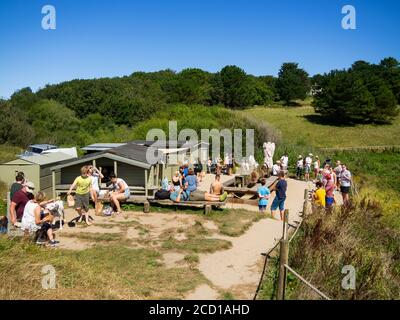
81, 111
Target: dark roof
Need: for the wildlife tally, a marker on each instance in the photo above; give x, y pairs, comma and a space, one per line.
131, 153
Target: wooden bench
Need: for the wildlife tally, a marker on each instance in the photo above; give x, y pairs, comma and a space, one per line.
64, 188
207, 205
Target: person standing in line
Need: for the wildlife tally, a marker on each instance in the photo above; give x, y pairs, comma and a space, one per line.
319, 196
308, 163
263, 196
345, 184
330, 195
285, 162
299, 167
279, 201
276, 168
83, 186
317, 165
338, 171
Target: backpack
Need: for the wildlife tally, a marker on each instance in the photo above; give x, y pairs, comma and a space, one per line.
162, 195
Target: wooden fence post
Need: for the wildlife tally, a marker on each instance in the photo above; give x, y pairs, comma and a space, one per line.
8, 214
283, 260
305, 204
285, 224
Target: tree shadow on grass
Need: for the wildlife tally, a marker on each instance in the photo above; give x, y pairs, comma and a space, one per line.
331, 121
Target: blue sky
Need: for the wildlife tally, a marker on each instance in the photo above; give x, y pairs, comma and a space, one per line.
98, 38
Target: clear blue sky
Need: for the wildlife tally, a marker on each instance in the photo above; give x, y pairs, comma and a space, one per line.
97, 38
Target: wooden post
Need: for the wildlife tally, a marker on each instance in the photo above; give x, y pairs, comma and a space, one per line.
145, 183
285, 224
53, 181
283, 259
207, 209
305, 202
116, 168
146, 207
8, 213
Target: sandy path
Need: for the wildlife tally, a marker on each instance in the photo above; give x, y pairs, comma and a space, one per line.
238, 269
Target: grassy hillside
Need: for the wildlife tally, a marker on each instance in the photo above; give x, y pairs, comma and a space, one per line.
302, 126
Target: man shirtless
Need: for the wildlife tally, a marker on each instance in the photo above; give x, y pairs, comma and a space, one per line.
217, 187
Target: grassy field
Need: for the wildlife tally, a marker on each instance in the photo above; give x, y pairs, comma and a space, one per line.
303, 127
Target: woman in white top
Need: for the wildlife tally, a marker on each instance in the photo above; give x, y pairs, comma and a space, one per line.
121, 191
33, 220
96, 176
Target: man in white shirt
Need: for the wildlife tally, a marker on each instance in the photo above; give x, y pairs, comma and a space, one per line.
308, 167
285, 162
299, 167
345, 184
276, 168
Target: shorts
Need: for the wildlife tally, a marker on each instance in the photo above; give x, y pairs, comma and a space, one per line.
329, 201
307, 168
82, 201
345, 190
197, 195
127, 193
278, 203
262, 207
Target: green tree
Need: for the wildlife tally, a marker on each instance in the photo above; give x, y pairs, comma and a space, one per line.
14, 127
345, 97
292, 83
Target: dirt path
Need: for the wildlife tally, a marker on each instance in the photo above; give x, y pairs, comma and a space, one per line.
238, 269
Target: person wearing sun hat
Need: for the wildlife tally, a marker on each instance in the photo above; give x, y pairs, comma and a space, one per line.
276, 168
299, 166
19, 201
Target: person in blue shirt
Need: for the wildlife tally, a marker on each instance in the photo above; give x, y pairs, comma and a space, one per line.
263, 196
191, 181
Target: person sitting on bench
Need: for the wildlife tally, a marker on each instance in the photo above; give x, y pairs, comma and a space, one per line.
120, 192
36, 220
217, 188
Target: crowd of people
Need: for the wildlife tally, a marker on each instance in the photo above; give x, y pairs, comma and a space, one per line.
30, 211
184, 187
327, 177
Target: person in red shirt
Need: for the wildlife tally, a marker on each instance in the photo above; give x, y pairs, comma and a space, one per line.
19, 201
